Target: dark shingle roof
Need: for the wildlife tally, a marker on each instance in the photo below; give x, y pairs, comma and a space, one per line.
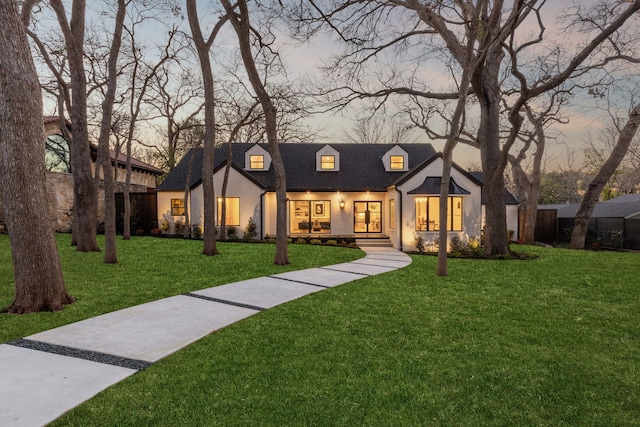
508, 197
361, 167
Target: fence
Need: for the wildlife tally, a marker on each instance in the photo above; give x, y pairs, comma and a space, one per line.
144, 212
602, 228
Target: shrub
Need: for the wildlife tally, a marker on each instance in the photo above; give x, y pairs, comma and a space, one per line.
232, 233
419, 243
332, 242
463, 245
250, 231
315, 242
179, 227
301, 241
196, 231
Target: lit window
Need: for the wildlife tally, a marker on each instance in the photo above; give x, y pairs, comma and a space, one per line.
397, 162
428, 214
232, 211
328, 162
392, 213
256, 161
177, 207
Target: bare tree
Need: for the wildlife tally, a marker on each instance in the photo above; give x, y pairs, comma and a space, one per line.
243, 29
590, 199
38, 278
203, 48
376, 129
435, 31
85, 198
110, 251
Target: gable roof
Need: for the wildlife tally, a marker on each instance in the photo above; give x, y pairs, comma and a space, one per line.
361, 167
508, 197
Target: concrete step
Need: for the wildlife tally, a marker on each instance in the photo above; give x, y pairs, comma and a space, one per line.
379, 243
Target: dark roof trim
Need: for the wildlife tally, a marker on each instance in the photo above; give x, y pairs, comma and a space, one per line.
431, 185
426, 163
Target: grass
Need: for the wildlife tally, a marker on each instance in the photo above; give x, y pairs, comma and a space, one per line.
548, 342
149, 269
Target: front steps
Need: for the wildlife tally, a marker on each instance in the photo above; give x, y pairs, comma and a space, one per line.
382, 242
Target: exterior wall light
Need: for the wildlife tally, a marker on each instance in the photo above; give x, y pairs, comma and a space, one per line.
341, 203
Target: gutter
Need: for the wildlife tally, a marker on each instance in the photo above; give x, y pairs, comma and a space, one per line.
400, 197
262, 214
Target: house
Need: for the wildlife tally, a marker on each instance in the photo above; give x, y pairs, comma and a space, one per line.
512, 207
334, 190
620, 214
60, 179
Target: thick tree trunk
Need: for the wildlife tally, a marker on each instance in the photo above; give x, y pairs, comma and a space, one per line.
241, 24
487, 89
85, 206
223, 195
187, 189
590, 199
38, 278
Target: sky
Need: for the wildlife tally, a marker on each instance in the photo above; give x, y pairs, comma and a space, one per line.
303, 60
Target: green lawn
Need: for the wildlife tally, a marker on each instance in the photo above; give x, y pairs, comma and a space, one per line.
548, 342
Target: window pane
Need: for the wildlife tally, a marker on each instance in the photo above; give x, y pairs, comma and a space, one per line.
397, 162
232, 217
328, 162
299, 216
177, 207
421, 213
433, 213
256, 161
457, 213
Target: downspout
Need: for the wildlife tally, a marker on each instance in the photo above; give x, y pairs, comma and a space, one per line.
262, 214
400, 216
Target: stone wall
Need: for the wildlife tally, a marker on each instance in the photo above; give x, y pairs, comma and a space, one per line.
60, 199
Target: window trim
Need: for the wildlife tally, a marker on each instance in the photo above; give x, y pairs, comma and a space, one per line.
393, 165
324, 163
450, 218
176, 206
254, 162
219, 211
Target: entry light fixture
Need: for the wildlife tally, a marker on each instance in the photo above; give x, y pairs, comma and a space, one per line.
341, 203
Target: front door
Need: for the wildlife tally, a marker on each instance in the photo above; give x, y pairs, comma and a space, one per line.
367, 217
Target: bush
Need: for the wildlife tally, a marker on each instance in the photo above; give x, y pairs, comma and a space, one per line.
315, 242
232, 233
250, 231
196, 232
419, 243
466, 246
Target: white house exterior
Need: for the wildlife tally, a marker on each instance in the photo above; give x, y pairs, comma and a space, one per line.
334, 190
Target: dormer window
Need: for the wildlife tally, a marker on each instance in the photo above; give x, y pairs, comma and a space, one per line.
328, 162
327, 159
257, 158
396, 162
256, 161
396, 159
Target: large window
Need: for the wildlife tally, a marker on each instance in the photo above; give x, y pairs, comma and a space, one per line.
177, 207
310, 216
328, 162
428, 214
232, 211
256, 161
396, 162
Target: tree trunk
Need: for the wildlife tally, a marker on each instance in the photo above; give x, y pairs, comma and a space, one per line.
487, 89
242, 27
223, 195
187, 188
202, 48
590, 199
85, 206
110, 250
38, 278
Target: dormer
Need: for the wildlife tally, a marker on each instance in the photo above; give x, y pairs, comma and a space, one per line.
327, 159
257, 158
396, 160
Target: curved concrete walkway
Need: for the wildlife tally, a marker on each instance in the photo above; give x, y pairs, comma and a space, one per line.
44, 375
